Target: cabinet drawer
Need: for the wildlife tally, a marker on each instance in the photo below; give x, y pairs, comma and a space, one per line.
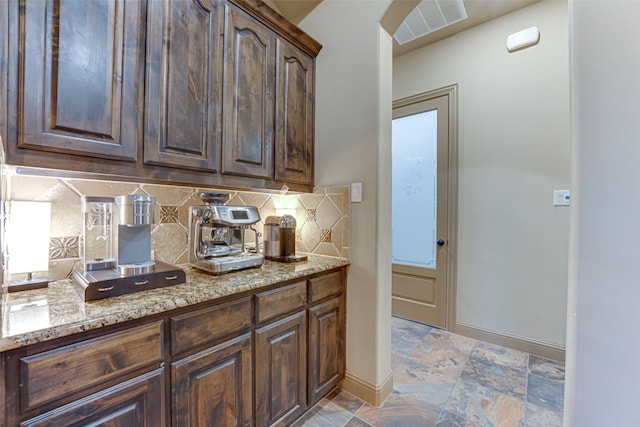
206, 326
325, 286
134, 403
53, 374
277, 302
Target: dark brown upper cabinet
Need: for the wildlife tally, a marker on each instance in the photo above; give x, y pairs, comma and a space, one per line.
249, 104
208, 93
294, 115
183, 84
78, 77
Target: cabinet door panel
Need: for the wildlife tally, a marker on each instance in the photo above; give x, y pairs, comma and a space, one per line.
249, 96
294, 115
135, 403
184, 71
4, 55
78, 77
326, 344
281, 370
213, 387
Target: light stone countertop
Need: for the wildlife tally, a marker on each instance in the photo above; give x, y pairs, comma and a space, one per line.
35, 316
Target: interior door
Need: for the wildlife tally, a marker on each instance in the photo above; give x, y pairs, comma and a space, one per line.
420, 192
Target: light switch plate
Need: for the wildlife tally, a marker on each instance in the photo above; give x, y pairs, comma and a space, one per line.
561, 197
356, 192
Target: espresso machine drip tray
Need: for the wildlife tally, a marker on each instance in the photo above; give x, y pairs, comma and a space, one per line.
228, 263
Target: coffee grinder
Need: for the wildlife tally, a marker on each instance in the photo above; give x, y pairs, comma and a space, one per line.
115, 248
280, 239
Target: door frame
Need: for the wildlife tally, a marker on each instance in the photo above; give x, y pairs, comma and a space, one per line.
452, 191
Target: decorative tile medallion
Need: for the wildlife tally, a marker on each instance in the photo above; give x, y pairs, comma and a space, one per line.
325, 235
63, 247
168, 214
311, 215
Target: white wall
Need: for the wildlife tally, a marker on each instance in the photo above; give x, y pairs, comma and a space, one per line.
514, 151
603, 338
352, 144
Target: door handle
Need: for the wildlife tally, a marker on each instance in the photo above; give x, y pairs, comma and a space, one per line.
440, 242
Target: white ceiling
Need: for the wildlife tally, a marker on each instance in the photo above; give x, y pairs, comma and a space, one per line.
478, 11
429, 16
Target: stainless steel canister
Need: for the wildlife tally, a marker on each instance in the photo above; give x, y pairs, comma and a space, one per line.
271, 237
136, 209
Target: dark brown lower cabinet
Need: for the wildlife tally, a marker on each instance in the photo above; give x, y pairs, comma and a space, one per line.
260, 359
134, 403
326, 350
281, 370
213, 387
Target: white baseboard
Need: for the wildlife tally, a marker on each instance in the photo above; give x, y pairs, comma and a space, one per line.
370, 393
538, 348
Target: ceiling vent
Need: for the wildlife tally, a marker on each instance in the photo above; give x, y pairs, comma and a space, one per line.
430, 16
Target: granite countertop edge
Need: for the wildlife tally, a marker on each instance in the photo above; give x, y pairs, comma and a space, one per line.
61, 312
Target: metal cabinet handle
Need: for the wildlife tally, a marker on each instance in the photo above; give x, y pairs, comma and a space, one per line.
105, 289
440, 242
171, 277
144, 282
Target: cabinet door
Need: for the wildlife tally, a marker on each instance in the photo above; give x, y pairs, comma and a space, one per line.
78, 82
184, 78
135, 403
294, 115
4, 55
3, 394
281, 370
249, 85
326, 347
213, 387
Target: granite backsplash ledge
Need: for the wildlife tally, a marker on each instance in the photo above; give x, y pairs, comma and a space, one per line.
322, 216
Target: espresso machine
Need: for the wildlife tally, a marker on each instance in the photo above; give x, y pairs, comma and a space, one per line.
115, 248
217, 234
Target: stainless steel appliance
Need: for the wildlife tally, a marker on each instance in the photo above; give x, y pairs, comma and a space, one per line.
115, 248
217, 234
280, 239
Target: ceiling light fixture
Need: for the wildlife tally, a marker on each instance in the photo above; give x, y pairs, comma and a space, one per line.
429, 16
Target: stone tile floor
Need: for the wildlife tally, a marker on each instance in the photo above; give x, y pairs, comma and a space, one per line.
444, 379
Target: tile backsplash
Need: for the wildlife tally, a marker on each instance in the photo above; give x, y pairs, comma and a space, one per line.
322, 216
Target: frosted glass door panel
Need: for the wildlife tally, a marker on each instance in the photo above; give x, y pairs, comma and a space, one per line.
414, 180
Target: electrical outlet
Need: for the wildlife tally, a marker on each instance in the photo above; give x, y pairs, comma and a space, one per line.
561, 197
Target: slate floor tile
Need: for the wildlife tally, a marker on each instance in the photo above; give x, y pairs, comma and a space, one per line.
545, 393
546, 368
447, 380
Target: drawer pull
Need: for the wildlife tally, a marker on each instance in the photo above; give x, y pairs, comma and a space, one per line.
110, 288
171, 277
144, 282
